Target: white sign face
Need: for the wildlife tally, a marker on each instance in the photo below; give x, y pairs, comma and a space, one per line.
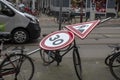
82, 28
57, 40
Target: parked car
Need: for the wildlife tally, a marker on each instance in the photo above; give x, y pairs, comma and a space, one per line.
22, 26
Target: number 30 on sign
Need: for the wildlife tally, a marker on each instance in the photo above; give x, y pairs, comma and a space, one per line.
57, 40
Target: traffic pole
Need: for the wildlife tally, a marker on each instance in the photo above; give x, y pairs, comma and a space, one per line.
60, 14
92, 10
81, 11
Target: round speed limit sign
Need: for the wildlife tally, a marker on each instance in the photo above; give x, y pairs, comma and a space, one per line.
57, 40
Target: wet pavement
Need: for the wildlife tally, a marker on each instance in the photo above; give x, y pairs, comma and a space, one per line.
93, 51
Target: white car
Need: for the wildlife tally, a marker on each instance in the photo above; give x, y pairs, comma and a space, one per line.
22, 26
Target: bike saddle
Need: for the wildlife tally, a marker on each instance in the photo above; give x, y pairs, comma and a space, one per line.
4, 35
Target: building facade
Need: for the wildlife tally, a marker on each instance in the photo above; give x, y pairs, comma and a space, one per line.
54, 5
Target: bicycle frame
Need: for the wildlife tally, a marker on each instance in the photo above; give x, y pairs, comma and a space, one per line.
7, 71
14, 69
71, 47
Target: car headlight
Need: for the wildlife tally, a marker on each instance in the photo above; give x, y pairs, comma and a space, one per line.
31, 20
37, 20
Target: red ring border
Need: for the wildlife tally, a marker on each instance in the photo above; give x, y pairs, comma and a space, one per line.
43, 46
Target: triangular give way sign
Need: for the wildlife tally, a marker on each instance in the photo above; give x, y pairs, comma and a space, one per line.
83, 29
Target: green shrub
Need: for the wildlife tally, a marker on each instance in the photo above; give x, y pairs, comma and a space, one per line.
2, 27
119, 13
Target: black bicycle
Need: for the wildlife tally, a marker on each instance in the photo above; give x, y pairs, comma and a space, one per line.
115, 50
66, 17
50, 56
114, 65
15, 65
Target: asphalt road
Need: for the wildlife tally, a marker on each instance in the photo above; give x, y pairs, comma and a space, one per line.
97, 41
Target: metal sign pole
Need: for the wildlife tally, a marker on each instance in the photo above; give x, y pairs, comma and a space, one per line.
81, 11
33, 5
60, 13
92, 10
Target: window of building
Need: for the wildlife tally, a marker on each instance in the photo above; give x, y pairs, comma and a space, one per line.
56, 3
65, 3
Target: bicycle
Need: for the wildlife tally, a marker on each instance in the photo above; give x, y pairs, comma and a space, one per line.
115, 50
66, 17
114, 64
50, 56
14, 65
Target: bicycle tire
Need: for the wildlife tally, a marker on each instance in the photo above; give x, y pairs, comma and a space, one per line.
114, 66
77, 64
47, 56
23, 67
107, 59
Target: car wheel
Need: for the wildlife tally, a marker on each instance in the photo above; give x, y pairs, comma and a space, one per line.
20, 36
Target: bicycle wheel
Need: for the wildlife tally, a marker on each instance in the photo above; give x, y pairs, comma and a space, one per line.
114, 66
47, 56
107, 59
17, 67
77, 64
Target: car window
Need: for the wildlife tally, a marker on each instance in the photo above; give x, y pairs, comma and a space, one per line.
5, 10
0, 8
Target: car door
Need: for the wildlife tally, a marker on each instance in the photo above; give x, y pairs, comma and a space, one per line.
6, 16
